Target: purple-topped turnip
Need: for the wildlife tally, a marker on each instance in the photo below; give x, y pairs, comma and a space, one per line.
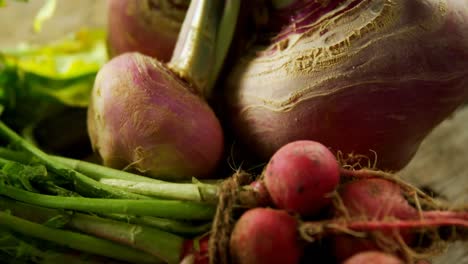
151, 116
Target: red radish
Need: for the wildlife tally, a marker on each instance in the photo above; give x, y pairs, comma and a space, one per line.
345, 247
380, 200
376, 199
374, 257
300, 175
372, 199
196, 252
263, 235
147, 26
271, 235
333, 75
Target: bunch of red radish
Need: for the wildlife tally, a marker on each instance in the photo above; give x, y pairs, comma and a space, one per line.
355, 214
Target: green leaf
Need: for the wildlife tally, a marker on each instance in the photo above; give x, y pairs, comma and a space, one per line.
63, 71
70, 92
20, 176
40, 81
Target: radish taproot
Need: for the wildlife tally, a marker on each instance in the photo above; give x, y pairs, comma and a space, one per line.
152, 117
146, 26
300, 175
263, 235
260, 192
333, 74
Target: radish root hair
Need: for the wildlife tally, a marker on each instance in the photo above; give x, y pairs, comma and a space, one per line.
354, 161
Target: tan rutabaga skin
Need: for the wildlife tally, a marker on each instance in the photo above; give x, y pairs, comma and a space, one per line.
377, 76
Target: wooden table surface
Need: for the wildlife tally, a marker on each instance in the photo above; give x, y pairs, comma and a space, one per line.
441, 162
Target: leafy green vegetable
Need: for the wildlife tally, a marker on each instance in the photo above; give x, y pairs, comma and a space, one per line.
78, 241
62, 71
39, 82
20, 176
17, 249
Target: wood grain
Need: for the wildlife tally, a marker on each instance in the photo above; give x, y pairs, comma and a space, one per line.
442, 164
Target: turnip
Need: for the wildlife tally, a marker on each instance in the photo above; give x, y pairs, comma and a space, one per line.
374, 257
355, 75
146, 26
263, 235
142, 115
151, 116
300, 175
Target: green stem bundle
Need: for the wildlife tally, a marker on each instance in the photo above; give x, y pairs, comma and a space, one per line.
82, 183
171, 209
74, 240
161, 244
18, 250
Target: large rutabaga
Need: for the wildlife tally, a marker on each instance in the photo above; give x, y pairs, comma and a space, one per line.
359, 76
